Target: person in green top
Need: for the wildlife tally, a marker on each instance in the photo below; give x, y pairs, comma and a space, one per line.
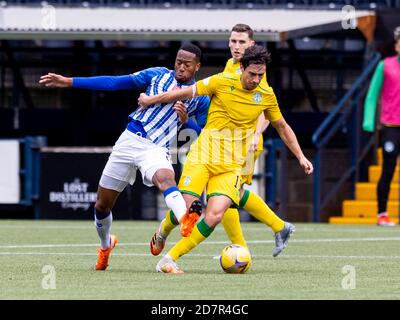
386, 83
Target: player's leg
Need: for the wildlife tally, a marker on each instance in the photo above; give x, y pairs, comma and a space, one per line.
252, 203
189, 189
107, 194
159, 238
156, 169
255, 205
216, 207
390, 142
164, 180
102, 213
222, 190
117, 174
192, 182
232, 227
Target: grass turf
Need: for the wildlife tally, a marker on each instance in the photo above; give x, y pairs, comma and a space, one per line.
312, 267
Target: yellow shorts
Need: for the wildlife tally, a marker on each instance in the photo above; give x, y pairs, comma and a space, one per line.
216, 179
249, 165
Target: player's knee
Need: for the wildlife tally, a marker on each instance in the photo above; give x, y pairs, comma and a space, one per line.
102, 206
163, 183
214, 217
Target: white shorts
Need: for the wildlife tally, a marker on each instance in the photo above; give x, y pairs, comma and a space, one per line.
132, 152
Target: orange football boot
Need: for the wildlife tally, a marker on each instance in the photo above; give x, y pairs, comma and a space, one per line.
190, 218
104, 254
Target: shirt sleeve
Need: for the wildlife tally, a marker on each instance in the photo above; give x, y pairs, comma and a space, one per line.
142, 79
272, 111
202, 111
103, 83
208, 86
191, 124
138, 80
372, 98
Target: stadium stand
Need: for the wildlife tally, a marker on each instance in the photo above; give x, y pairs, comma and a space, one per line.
229, 4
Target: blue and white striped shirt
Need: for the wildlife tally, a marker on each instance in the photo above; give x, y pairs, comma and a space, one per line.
160, 122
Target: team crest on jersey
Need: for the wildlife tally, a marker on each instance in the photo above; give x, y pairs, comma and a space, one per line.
232, 88
257, 97
187, 181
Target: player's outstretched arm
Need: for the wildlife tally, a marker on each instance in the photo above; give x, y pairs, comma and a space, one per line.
53, 80
108, 83
145, 101
289, 138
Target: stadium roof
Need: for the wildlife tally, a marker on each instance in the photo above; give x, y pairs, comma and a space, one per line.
170, 24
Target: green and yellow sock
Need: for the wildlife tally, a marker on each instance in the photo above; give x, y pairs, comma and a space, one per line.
169, 223
200, 232
231, 223
255, 205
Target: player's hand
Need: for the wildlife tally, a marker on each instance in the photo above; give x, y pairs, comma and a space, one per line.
256, 141
306, 165
181, 110
143, 101
53, 80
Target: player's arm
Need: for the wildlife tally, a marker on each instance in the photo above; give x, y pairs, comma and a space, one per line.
138, 80
289, 138
201, 115
372, 98
145, 101
205, 87
53, 80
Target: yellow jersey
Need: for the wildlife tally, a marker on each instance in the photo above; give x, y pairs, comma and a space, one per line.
232, 116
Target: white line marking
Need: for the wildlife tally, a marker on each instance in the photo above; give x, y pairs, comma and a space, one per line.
204, 243
258, 256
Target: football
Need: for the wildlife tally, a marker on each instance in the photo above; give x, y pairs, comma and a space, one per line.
235, 259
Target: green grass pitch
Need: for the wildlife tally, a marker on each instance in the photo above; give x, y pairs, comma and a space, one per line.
321, 262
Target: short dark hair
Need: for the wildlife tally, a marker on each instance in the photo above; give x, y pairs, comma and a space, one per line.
190, 47
255, 55
241, 27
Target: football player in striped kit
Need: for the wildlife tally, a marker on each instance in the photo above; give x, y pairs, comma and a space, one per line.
146, 141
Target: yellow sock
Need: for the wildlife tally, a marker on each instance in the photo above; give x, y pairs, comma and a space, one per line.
200, 233
231, 223
253, 204
169, 224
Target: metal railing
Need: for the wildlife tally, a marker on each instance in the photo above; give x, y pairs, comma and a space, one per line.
347, 115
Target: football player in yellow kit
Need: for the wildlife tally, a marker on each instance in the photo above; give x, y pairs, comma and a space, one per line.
216, 159
241, 38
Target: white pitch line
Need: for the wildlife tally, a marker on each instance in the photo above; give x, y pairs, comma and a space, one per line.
203, 255
90, 254
204, 243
